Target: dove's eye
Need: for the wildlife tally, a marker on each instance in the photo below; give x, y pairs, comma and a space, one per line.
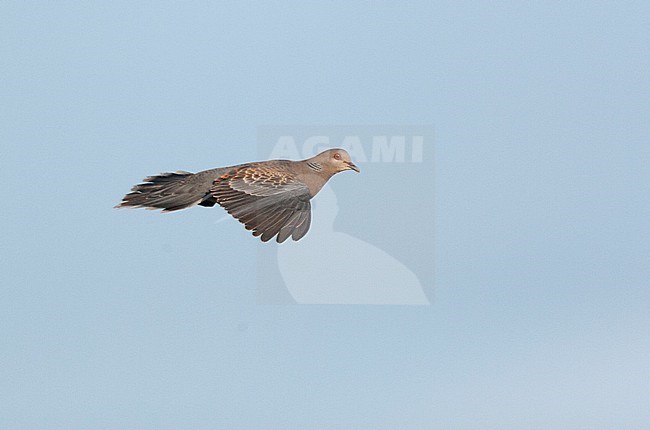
337, 156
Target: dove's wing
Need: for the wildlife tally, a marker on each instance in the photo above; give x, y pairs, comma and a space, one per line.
266, 200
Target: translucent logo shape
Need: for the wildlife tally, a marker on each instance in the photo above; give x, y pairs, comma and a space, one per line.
337, 268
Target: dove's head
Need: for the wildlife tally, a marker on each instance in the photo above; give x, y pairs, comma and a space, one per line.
336, 160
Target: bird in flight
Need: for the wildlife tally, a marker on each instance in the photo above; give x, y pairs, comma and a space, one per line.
271, 198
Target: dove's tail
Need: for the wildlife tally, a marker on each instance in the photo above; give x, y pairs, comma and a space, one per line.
170, 192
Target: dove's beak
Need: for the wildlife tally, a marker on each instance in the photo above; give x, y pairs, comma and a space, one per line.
352, 166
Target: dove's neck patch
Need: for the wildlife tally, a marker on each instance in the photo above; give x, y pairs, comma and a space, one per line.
315, 166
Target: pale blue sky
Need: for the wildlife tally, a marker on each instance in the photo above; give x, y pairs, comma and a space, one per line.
117, 319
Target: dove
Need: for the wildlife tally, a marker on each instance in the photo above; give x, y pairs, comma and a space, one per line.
271, 198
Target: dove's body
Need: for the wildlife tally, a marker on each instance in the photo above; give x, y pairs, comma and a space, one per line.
269, 197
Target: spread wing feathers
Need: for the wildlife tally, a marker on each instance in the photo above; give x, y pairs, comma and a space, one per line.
266, 201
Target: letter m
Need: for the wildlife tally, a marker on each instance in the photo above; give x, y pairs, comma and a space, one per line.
388, 151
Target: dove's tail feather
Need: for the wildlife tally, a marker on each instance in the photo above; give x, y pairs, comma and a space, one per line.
170, 192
